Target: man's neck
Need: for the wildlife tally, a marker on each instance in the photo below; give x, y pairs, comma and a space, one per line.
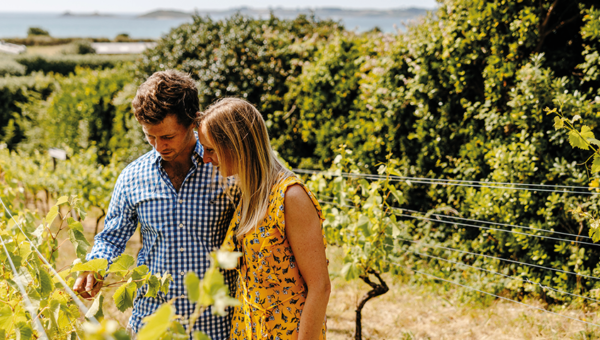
184, 161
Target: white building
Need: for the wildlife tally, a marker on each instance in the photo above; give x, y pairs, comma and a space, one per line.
122, 47
12, 48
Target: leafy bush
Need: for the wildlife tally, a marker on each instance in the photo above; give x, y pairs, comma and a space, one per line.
89, 108
43, 40
65, 64
461, 96
14, 93
9, 67
33, 31
239, 56
81, 46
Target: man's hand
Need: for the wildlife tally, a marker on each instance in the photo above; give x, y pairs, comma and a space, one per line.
87, 285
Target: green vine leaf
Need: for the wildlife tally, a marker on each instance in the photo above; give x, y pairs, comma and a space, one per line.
62, 200
579, 139
46, 285
95, 309
80, 243
165, 281
199, 335
349, 271
121, 265
559, 123
153, 286
6, 315
24, 331
596, 163
157, 324
95, 265
192, 286
125, 295
51, 215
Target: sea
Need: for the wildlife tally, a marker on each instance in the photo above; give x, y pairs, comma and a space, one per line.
15, 25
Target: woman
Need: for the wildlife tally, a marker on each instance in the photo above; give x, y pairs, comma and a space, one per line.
283, 283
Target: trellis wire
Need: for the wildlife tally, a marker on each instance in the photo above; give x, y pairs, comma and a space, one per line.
488, 228
489, 256
500, 274
479, 221
476, 226
497, 223
432, 181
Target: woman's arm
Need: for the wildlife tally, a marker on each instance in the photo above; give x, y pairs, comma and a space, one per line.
303, 230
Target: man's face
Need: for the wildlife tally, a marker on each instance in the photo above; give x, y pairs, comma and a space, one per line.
170, 139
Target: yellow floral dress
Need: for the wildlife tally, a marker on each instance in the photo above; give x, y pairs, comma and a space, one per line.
270, 286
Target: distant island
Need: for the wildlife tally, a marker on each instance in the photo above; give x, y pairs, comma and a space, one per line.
324, 12
94, 14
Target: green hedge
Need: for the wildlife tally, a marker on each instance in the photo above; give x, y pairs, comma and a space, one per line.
15, 92
9, 67
53, 41
65, 64
88, 108
239, 56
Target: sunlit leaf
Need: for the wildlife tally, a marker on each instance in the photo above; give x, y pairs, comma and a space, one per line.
95, 309
62, 200
192, 286
199, 335
156, 324
52, 213
153, 286
95, 265
579, 139
349, 271
121, 265
559, 123
596, 163
124, 296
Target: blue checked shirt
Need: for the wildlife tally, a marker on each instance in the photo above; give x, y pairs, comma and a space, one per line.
179, 230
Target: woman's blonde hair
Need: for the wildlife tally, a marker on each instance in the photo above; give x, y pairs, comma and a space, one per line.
240, 139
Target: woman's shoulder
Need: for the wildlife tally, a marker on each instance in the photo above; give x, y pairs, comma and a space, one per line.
291, 192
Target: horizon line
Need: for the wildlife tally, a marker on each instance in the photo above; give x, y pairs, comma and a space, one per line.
221, 10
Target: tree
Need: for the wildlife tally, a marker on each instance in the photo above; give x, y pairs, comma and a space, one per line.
37, 31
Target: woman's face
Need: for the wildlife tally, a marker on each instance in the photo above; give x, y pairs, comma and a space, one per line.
210, 154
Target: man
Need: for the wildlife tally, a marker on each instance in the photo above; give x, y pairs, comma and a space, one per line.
180, 202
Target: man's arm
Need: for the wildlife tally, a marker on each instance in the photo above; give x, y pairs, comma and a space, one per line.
120, 223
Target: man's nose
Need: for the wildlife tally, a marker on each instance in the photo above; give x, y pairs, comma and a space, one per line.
160, 146
205, 158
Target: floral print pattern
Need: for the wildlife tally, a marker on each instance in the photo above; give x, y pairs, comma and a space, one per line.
270, 286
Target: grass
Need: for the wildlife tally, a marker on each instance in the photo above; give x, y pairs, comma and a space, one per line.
46, 50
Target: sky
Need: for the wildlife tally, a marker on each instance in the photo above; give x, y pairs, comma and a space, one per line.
143, 6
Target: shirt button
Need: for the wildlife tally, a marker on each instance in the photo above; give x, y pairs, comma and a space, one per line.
180, 225
180, 201
182, 273
181, 249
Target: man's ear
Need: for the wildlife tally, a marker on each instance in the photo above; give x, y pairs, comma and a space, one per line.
197, 122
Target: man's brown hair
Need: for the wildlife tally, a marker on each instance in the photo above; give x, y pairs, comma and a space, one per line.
164, 93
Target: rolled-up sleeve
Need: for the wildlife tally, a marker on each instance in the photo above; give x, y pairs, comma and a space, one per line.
120, 223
